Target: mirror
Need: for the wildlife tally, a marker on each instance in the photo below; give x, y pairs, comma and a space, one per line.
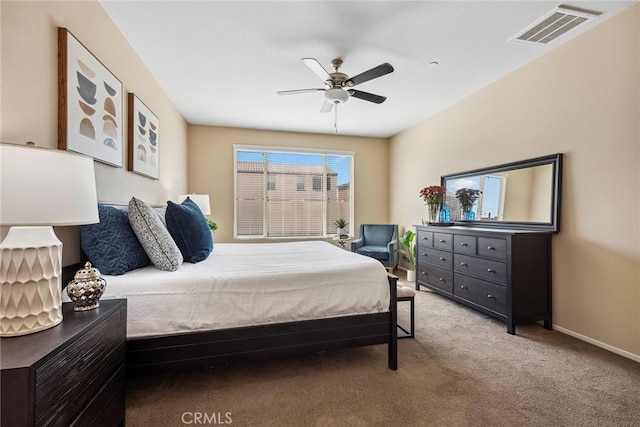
520, 195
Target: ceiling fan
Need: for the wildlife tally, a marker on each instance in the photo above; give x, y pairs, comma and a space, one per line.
338, 85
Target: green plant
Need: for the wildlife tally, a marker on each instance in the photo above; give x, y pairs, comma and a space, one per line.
409, 249
212, 225
341, 223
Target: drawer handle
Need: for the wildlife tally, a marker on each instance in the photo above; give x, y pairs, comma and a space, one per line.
491, 248
442, 241
425, 255
463, 244
441, 279
463, 287
425, 238
490, 270
424, 273
442, 259
490, 296
463, 264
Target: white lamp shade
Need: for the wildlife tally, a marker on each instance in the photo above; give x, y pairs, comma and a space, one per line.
41, 186
202, 200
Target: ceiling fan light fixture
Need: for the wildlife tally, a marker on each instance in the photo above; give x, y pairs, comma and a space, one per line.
336, 96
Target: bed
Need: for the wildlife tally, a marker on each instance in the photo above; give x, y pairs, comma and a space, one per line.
249, 302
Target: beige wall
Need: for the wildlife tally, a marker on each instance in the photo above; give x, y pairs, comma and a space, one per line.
211, 169
29, 88
581, 99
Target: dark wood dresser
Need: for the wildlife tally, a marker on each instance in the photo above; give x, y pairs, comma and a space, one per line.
71, 374
503, 273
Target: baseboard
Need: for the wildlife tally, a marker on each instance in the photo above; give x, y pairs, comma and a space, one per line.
597, 343
616, 350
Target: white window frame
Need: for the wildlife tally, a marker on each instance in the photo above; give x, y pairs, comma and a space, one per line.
291, 150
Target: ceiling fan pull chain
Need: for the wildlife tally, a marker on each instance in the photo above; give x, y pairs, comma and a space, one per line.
335, 117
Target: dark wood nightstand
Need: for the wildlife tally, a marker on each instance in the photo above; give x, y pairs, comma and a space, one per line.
71, 374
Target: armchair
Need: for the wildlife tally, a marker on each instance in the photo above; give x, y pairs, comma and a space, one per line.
379, 241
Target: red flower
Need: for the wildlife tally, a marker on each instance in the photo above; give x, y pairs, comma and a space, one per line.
467, 197
433, 195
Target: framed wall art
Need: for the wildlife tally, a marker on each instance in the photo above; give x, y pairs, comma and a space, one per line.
90, 103
144, 139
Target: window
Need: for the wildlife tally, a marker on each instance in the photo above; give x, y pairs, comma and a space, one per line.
271, 182
490, 202
317, 183
273, 200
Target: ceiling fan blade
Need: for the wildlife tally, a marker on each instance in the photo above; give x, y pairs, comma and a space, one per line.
326, 107
292, 92
373, 73
318, 69
367, 96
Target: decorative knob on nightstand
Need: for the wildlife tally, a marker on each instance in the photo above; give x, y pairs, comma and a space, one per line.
86, 288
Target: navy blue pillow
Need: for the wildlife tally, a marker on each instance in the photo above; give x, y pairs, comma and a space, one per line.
190, 230
111, 245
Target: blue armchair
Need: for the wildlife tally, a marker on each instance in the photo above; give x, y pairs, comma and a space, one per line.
379, 241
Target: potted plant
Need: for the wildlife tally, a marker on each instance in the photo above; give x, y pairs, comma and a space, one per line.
341, 223
467, 198
433, 197
409, 253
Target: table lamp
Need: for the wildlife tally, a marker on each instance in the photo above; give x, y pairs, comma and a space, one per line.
39, 188
202, 200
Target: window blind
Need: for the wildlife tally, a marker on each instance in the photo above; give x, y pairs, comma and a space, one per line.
281, 194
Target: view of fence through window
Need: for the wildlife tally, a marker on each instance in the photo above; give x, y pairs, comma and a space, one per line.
291, 194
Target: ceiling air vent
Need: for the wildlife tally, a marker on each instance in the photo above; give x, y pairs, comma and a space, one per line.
554, 24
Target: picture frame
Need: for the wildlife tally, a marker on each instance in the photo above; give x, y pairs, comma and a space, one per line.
144, 139
90, 103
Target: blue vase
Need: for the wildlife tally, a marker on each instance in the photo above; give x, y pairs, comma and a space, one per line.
445, 214
469, 215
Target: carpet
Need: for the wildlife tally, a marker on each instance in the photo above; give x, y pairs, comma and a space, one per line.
462, 369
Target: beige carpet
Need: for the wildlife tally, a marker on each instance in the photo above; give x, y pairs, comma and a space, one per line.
462, 369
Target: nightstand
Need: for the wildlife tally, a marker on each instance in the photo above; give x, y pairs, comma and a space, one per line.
71, 374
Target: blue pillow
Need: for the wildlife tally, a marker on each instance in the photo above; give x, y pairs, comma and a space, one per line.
190, 230
111, 245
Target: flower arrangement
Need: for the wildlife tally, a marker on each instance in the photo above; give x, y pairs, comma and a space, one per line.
433, 196
467, 197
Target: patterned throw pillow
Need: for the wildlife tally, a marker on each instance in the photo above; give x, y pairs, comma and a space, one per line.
153, 236
190, 230
111, 245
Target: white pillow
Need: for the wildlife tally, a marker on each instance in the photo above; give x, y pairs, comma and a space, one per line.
153, 236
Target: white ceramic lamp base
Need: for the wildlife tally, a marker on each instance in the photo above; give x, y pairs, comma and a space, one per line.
30, 276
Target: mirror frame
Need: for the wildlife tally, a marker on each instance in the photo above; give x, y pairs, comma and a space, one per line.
553, 226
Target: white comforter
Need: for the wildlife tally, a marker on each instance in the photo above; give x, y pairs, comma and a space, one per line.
242, 284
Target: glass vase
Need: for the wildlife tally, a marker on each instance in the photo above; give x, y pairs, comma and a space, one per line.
468, 214
445, 214
433, 212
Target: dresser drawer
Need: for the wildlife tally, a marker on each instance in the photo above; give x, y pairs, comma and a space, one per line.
435, 257
424, 239
492, 248
494, 271
436, 277
443, 241
65, 382
464, 244
485, 294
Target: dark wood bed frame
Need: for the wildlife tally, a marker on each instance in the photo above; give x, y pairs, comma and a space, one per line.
160, 354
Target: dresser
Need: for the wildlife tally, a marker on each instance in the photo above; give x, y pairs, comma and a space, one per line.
71, 374
503, 273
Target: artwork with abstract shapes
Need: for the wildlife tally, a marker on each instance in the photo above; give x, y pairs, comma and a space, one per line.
144, 142
90, 103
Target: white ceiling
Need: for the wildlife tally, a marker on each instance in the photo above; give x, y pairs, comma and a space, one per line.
221, 62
